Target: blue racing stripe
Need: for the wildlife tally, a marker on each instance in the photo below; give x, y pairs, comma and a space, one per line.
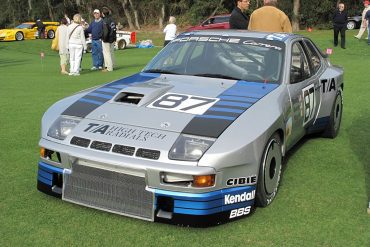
232, 103
91, 101
238, 98
220, 109
100, 95
216, 117
107, 90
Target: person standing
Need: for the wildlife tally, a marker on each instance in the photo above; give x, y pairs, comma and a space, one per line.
340, 25
367, 17
238, 18
170, 31
62, 36
96, 30
109, 37
364, 22
76, 44
269, 19
40, 28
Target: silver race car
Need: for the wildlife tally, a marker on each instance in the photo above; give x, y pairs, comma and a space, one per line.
198, 136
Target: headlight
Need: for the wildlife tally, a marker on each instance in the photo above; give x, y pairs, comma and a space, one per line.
190, 148
62, 127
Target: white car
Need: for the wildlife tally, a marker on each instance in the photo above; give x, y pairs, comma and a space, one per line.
124, 38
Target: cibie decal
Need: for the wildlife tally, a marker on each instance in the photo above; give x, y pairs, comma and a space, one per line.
184, 103
246, 196
328, 85
242, 181
240, 212
309, 103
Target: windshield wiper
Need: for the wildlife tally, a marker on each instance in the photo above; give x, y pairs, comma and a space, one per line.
218, 76
162, 71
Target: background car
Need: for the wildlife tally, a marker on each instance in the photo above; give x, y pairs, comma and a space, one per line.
124, 38
28, 30
354, 22
213, 22
199, 135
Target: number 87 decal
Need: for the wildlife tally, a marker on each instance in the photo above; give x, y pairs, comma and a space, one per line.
183, 103
309, 103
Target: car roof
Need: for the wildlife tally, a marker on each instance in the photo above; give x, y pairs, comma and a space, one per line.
245, 34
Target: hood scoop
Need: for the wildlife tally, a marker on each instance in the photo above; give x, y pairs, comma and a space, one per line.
141, 94
129, 98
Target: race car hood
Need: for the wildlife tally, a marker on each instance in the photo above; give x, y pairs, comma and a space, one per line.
152, 106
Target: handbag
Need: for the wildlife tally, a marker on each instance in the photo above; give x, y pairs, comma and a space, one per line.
55, 42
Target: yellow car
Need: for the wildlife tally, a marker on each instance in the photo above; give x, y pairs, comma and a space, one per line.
28, 30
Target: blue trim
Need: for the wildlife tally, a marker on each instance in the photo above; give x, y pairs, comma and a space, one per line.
205, 203
220, 109
45, 181
118, 86
216, 117
94, 102
44, 174
49, 168
238, 98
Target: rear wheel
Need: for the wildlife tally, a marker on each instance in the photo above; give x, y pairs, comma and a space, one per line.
88, 48
270, 172
51, 34
19, 36
333, 127
351, 25
121, 44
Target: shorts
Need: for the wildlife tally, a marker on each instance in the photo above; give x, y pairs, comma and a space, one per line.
64, 59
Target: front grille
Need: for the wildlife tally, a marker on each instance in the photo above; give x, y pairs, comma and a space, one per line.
148, 153
107, 190
79, 141
126, 150
102, 146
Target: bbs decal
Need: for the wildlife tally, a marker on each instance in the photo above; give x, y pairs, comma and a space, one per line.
184, 103
309, 103
240, 212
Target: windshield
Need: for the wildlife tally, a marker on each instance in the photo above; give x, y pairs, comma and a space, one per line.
24, 26
256, 60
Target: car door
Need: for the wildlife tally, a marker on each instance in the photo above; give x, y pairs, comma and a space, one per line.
304, 91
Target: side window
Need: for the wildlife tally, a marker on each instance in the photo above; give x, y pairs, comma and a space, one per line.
299, 68
313, 56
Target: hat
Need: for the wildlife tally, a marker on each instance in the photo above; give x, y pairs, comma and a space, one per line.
96, 11
366, 2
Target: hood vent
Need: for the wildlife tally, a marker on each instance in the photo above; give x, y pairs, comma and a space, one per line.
125, 150
78, 141
148, 153
102, 146
129, 98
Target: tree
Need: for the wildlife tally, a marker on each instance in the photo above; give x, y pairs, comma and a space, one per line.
296, 18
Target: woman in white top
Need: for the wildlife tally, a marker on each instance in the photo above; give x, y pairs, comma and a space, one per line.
76, 44
170, 31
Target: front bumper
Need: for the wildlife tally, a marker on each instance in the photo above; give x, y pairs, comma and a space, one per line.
105, 191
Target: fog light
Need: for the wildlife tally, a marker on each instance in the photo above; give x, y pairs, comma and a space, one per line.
42, 152
204, 180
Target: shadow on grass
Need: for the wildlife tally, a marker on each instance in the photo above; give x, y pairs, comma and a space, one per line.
359, 141
12, 62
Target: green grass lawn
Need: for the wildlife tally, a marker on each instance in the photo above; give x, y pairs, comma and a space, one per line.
322, 199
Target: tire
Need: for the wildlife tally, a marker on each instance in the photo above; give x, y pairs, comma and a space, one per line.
333, 127
121, 44
19, 36
88, 48
51, 34
270, 172
351, 25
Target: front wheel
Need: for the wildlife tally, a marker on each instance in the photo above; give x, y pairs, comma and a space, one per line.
121, 44
270, 172
51, 34
19, 36
351, 25
335, 120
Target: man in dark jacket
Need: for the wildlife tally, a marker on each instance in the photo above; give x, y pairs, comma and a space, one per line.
367, 17
96, 30
340, 25
238, 19
109, 37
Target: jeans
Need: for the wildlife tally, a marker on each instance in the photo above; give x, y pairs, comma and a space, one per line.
97, 53
368, 33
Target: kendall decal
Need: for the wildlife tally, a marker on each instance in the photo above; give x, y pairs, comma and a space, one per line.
123, 132
246, 196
